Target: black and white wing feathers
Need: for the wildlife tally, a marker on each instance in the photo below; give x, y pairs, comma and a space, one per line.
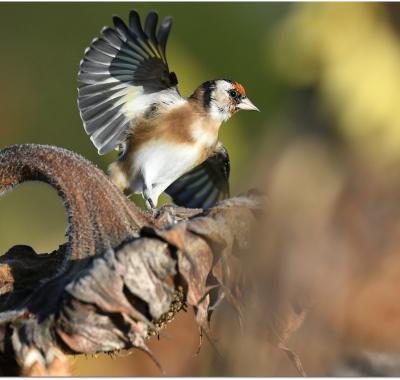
123, 74
204, 185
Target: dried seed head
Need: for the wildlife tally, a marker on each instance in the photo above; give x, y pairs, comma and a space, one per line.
177, 304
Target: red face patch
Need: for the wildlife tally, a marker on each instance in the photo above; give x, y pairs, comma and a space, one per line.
239, 88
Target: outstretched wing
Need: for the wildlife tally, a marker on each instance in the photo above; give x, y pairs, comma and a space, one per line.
124, 75
206, 184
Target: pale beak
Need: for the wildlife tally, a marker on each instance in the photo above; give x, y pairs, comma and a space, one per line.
246, 104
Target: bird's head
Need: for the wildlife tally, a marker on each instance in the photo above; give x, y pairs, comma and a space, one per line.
221, 98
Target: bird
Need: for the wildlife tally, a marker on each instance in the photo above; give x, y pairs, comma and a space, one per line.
129, 101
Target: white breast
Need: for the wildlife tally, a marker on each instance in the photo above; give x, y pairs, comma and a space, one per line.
161, 164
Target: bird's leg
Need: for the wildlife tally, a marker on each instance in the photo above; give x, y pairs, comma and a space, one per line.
149, 201
166, 214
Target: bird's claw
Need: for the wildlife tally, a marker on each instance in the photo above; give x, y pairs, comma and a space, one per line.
166, 215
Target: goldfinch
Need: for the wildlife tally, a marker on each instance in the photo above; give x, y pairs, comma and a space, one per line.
129, 100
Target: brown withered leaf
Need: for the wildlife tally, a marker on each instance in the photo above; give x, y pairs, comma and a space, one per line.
113, 284
282, 323
115, 298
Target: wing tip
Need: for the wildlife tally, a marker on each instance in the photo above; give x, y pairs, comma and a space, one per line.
104, 29
168, 19
117, 20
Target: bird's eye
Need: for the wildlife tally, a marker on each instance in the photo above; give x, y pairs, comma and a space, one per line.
233, 93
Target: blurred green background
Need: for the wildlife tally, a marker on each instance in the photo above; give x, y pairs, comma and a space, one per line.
328, 71
42, 46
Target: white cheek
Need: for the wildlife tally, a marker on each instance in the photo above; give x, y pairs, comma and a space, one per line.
220, 107
219, 114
